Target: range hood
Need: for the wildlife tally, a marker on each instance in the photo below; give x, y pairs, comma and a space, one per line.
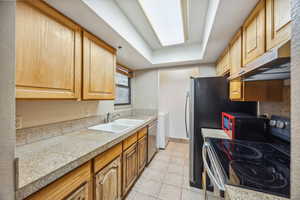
272, 65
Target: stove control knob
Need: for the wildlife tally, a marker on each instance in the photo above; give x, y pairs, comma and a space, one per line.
272, 122
280, 124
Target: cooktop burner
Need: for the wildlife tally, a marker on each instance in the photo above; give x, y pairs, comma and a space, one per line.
237, 150
258, 174
254, 165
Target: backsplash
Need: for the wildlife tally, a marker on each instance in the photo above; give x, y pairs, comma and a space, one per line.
278, 108
37, 133
144, 112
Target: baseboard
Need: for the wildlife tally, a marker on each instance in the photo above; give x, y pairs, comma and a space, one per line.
179, 140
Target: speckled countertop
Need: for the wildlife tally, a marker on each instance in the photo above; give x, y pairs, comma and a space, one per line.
43, 162
214, 133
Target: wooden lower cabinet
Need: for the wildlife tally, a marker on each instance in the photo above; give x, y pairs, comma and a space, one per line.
142, 153
82, 193
75, 185
108, 176
108, 181
130, 167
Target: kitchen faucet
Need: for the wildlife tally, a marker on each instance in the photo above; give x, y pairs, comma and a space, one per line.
111, 116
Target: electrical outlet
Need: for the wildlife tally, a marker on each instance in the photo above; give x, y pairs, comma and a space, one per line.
18, 122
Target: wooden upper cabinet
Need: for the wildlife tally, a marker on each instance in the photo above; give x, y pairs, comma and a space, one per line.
99, 65
48, 53
235, 54
264, 91
226, 61
278, 18
236, 89
219, 68
254, 34
223, 64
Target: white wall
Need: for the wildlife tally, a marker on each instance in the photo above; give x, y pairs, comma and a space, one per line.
165, 90
7, 99
145, 89
173, 86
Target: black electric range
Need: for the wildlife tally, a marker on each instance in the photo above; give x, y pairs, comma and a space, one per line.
260, 166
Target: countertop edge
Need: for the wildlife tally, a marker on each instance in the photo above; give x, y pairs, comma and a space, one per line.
236, 193
27, 190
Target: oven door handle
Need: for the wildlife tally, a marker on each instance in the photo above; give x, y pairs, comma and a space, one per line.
205, 151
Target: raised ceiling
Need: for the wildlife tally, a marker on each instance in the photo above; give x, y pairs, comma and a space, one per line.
210, 25
196, 15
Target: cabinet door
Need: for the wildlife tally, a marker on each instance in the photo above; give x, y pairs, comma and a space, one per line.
108, 182
81, 193
130, 168
219, 68
142, 153
223, 64
254, 34
235, 89
278, 15
48, 53
75, 185
235, 54
99, 65
226, 61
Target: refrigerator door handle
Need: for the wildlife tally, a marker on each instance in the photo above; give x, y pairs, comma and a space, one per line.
186, 106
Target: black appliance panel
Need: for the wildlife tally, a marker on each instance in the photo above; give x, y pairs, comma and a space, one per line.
211, 98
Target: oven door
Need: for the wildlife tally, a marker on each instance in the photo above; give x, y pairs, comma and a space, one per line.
213, 169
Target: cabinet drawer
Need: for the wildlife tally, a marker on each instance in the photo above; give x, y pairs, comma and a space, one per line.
130, 141
67, 186
103, 159
142, 132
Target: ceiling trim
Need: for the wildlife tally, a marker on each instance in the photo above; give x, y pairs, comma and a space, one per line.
148, 20
185, 5
107, 21
185, 11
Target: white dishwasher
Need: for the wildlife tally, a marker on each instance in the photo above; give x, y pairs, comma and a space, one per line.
163, 130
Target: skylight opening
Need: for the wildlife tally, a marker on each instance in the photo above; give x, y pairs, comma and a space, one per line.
165, 17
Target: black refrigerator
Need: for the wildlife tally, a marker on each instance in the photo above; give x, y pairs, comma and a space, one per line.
208, 98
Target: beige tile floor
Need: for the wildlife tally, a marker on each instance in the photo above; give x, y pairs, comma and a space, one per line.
167, 177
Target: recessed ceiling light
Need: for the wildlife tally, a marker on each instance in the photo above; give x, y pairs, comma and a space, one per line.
165, 17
